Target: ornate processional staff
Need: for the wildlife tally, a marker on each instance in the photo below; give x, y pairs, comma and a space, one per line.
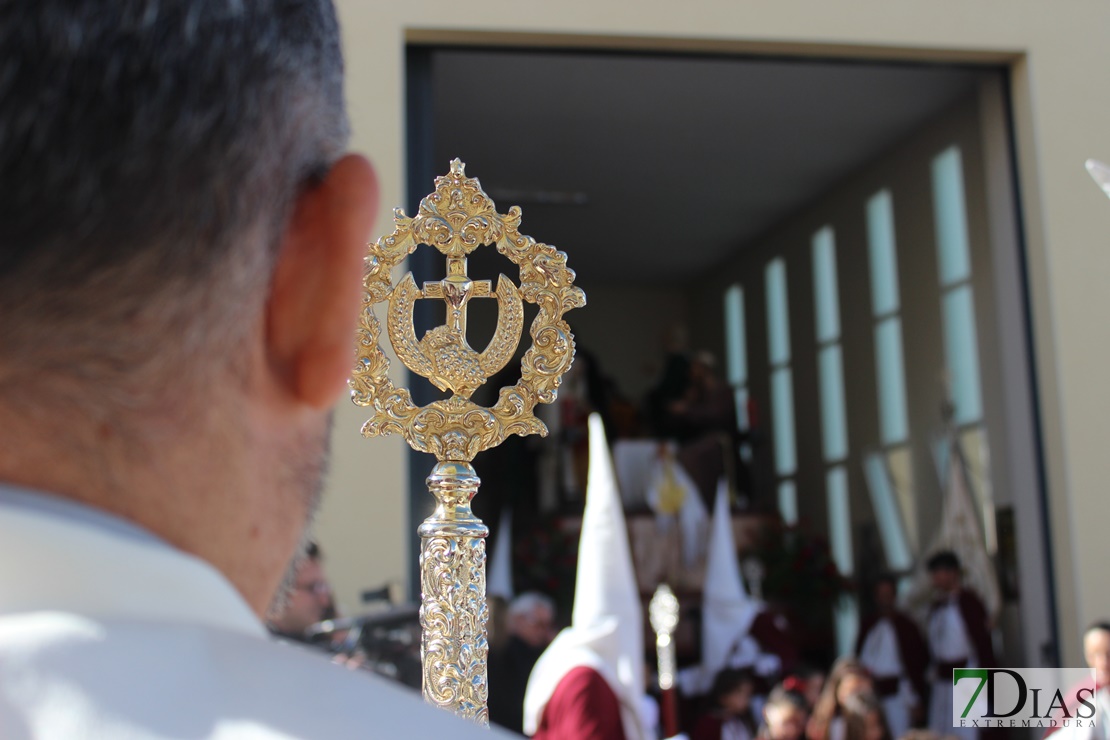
456, 219
663, 613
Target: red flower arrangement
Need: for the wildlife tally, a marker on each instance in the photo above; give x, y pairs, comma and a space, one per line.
800, 575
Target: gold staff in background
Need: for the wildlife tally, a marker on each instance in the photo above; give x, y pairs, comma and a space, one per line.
456, 219
663, 613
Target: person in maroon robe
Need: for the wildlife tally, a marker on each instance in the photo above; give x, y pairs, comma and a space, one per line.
947, 577
589, 682
771, 630
890, 645
959, 637
772, 633
583, 707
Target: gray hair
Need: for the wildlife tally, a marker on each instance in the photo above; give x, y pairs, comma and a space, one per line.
527, 603
150, 151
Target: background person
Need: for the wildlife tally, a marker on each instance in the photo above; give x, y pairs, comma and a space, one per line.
531, 626
893, 650
847, 679
308, 601
864, 718
784, 716
959, 637
589, 682
730, 715
1096, 651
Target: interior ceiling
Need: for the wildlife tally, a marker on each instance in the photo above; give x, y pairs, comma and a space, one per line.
658, 168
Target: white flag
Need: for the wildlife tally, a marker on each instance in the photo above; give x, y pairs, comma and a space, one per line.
961, 532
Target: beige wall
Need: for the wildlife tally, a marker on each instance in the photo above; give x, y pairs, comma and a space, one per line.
1058, 53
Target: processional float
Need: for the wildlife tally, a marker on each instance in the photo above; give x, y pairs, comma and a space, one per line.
457, 218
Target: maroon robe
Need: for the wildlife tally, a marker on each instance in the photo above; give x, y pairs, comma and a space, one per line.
911, 647
772, 632
583, 707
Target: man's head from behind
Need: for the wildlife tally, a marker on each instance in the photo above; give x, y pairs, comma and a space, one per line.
180, 248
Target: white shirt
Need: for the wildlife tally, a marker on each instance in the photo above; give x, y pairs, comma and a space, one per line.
108, 632
880, 653
948, 638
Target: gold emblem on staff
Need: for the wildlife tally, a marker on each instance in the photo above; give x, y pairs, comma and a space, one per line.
456, 219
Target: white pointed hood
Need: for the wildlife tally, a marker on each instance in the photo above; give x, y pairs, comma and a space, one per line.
499, 582
606, 631
727, 609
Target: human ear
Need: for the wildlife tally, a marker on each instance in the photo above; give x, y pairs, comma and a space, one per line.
316, 292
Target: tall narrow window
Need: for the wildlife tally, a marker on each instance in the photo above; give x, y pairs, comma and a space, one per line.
886, 308
736, 350
954, 262
961, 344
881, 482
888, 476
834, 424
782, 388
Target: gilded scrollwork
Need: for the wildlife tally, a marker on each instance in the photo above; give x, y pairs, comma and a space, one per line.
456, 219
453, 611
453, 618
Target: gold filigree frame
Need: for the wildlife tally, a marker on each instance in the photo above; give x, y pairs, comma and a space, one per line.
456, 219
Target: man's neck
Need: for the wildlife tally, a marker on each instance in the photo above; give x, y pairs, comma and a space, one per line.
171, 481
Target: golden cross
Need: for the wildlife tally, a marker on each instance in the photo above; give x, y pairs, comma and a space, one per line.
456, 290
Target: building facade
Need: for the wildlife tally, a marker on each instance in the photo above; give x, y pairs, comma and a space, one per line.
1031, 277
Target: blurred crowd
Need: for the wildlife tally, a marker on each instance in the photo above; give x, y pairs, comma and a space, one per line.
895, 685
751, 673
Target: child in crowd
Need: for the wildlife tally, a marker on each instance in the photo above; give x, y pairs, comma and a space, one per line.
730, 714
807, 681
784, 716
864, 718
848, 678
